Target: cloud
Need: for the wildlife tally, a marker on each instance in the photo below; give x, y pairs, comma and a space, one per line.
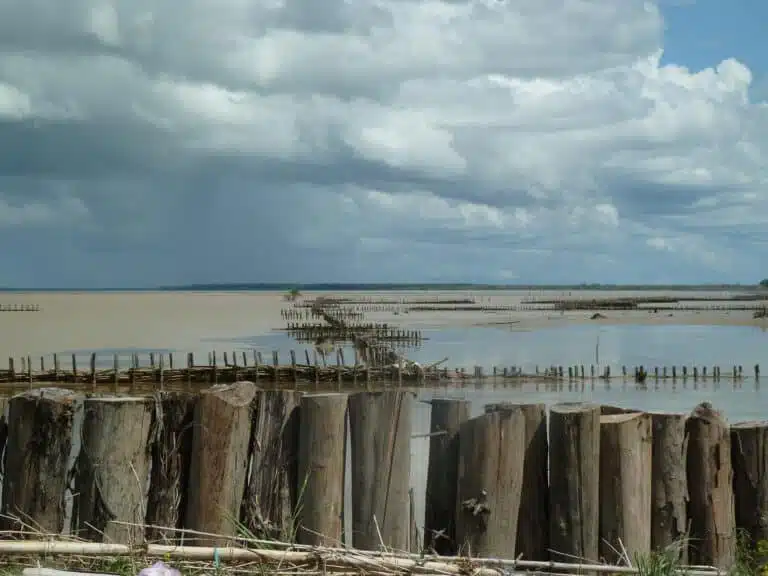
372, 140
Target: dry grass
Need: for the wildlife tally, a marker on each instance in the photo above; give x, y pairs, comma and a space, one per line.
31, 548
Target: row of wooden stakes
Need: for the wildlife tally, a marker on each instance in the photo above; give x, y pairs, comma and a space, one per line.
518, 480
162, 367
19, 307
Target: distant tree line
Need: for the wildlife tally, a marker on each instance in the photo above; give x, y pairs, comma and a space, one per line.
764, 283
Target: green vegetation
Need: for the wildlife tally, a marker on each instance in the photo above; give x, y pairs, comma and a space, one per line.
764, 283
293, 295
664, 562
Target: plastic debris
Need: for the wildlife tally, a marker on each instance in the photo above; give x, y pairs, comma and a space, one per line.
159, 569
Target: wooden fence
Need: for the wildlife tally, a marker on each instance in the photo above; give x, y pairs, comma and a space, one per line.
583, 480
19, 307
312, 367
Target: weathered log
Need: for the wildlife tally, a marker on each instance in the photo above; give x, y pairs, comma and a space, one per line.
322, 440
574, 469
222, 429
710, 484
447, 415
533, 521
380, 434
170, 450
270, 493
37, 456
113, 468
749, 450
669, 490
4, 409
491, 447
625, 486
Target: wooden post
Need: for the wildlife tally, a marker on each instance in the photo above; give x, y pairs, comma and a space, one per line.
490, 482
39, 441
219, 459
710, 476
338, 368
29, 370
55, 367
625, 485
190, 365
93, 371
74, 367
161, 371
574, 457
276, 365
271, 491
294, 372
749, 448
669, 489
116, 368
533, 519
447, 415
170, 449
113, 468
322, 438
380, 432
134, 368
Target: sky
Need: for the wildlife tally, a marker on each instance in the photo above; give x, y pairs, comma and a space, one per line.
147, 143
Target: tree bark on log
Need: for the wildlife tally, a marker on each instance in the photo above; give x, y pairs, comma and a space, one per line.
380, 433
322, 441
625, 486
270, 493
447, 416
710, 484
749, 450
669, 490
4, 413
37, 455
574, 470
170, 450
222, 429
491, 447
113, 469
533, 521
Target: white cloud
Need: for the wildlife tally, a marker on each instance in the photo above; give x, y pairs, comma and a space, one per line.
536, 128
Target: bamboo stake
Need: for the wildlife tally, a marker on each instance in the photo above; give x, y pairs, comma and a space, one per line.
329, 557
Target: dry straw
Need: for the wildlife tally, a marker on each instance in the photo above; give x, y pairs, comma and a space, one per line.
286, 558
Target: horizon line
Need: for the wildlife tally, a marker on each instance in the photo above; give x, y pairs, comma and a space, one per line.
371, 286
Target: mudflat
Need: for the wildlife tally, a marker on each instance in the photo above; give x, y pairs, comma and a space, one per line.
94, 320
194, 321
